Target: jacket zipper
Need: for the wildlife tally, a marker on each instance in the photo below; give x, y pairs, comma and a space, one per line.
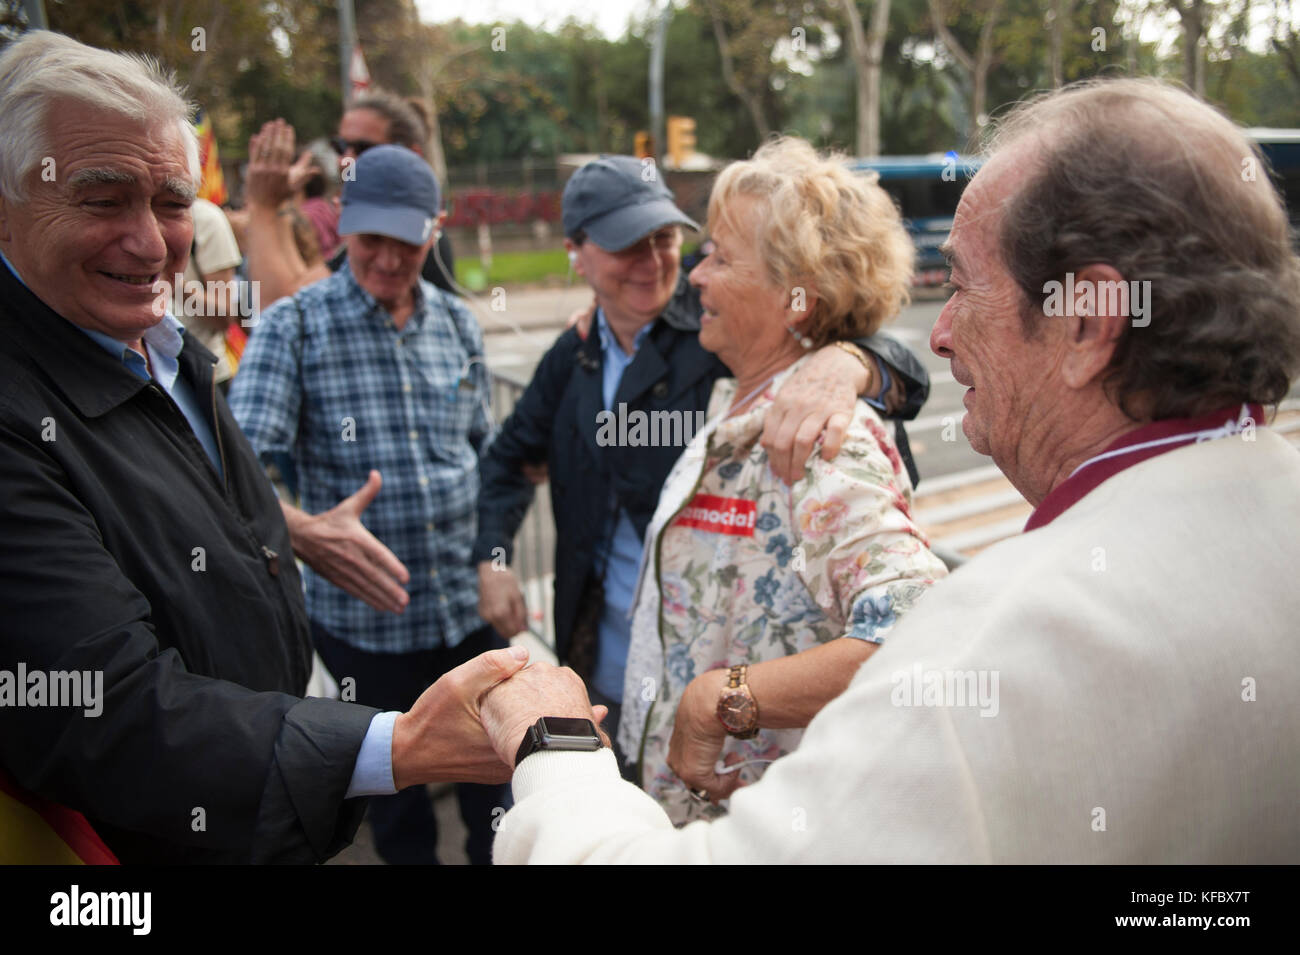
221, 449
271, 557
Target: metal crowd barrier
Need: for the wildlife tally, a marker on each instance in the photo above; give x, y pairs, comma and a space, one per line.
533, 561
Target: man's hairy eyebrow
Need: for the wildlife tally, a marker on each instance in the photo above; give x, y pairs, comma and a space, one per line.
100, 177
182, 188
178, 186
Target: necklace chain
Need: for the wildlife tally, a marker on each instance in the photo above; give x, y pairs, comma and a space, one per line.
749, 397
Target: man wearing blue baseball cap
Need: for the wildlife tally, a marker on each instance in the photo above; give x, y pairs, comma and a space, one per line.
371, 372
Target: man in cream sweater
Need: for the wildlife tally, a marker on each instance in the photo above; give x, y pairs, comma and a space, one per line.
1118, 684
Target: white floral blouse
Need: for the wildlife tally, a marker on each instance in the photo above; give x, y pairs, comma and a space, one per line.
741, 568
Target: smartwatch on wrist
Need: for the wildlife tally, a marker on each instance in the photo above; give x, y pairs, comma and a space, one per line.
561, 733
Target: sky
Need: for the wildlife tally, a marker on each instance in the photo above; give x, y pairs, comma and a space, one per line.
609, 16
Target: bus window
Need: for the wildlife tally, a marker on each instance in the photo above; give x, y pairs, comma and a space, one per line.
1281, 148
926, 190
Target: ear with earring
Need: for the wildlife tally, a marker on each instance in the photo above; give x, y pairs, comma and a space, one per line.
799, 304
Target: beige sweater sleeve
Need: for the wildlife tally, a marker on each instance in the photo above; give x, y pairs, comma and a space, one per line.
844, 796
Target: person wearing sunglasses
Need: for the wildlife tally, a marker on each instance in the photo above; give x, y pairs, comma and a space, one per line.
350, 147
377, 118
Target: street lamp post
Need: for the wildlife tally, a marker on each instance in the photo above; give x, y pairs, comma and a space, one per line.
347, 41
658, 43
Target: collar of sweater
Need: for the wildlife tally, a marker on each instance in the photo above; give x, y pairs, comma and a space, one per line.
1137, 446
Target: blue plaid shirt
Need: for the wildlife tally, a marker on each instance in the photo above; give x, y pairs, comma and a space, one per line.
328, 378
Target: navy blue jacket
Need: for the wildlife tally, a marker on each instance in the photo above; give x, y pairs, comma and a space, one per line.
556, 421
125, 552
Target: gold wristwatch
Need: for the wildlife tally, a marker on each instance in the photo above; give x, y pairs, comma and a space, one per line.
737, 708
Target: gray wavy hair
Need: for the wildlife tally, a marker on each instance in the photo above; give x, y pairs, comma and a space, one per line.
42, 68
1142, 176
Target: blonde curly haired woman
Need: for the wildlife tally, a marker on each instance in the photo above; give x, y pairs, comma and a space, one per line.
759, 601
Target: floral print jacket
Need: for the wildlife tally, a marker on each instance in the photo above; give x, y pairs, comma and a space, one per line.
741, 568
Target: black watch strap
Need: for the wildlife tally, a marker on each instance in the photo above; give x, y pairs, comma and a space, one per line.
562, 733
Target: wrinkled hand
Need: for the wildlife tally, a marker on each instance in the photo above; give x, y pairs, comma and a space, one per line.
442, 738
338, 547
698, 737
511, 707
582, 320
270, 158
818, 401
500, 600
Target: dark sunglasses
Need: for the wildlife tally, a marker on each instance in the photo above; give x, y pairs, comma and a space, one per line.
358, 146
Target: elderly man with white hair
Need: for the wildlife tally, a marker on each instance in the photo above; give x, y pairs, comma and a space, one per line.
1118, 684
146, 565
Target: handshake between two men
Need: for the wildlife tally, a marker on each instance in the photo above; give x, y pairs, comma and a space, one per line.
468, 726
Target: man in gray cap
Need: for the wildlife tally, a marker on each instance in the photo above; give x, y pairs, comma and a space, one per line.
372, 372
643, 363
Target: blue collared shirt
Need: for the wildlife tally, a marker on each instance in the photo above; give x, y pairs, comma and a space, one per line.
164, 343
622, 545
329, 379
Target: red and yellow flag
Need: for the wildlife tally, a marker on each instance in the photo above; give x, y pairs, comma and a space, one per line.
213, 187
35, 831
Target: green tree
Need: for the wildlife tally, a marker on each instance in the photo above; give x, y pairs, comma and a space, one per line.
242, 61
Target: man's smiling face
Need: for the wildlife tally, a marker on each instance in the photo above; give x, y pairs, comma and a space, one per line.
107, 221
1010, 379
636, 282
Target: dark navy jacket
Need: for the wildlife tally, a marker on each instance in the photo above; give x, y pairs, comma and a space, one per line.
123, 551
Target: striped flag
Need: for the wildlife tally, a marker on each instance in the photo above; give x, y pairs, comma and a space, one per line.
213, 187
35, 831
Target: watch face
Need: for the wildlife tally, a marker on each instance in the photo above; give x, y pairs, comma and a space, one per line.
563, 728
737, 711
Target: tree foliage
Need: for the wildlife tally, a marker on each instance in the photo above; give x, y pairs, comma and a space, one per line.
243, 61
506, 92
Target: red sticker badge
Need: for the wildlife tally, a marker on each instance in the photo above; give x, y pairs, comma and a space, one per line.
721, 515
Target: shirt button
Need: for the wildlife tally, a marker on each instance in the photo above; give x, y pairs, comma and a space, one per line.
407, 388
413, 435
429, 527
433, 572
424, 481
442, 599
